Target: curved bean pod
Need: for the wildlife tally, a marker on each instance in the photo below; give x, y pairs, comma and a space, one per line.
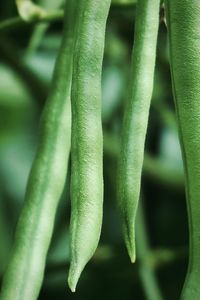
136, 117
183, 19
87, 141
24, 275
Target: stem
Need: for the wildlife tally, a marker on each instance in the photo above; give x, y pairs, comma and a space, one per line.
53, 16
16, 22
30, 11
146, 270
40, 29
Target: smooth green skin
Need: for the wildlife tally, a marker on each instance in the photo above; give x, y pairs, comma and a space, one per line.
87, 140
136, 117
183, 18
24, 275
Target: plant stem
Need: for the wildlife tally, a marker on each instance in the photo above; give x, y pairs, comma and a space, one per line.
146, 270
16, 22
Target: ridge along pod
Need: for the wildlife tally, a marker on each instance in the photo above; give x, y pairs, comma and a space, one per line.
87, 139
24, 275
136, 117
183, 20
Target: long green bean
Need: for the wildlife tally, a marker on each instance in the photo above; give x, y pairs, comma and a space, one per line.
183, 19
136, 116
24, 275
87, 140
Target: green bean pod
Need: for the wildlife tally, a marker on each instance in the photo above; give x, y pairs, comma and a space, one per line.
24, 275
87, 140
183, 20
136, 117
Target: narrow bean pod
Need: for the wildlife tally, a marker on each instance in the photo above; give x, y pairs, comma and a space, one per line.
183, 20
24, 275
87, 141
136, 117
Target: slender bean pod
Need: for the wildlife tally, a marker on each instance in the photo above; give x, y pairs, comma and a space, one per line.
24, 275
183, 19
136, 117
87, 141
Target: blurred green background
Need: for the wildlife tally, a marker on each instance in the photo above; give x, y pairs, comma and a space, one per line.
27, 57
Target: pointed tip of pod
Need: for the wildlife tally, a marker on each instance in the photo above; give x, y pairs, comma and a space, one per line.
132, 257
131, 251
130, 245
72, 288
73, 277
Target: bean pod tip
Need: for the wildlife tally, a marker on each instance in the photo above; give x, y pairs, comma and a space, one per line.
73, 277
130, 245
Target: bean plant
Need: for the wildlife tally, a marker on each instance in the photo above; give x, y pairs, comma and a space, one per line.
103, 135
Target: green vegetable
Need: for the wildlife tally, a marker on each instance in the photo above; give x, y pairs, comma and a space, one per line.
183, 19
87, 141
136, 117
24, 275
